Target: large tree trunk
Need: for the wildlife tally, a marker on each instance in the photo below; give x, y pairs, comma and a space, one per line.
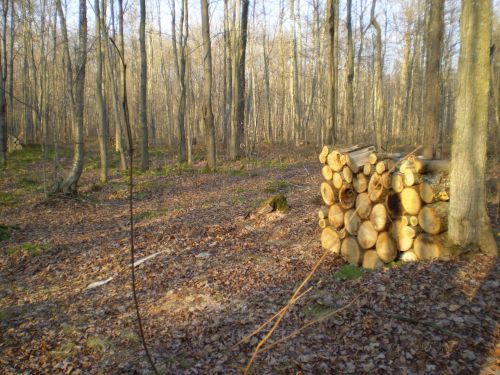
238, 104
101, 105
331, 120
76, 93
143, 95
3, 81
379, 92
468, 218
350, 78
208, 115
433, 78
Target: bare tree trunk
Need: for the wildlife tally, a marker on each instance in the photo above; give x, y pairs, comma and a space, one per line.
180, 65
208, 116
433, 78
101, 105
76, 93
3, 82
143, 95
331, 120
468, 218
379, 93
228, 87
350, 77
238, 105
294, 79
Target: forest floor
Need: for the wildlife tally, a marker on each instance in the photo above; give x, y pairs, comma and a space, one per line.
220, 274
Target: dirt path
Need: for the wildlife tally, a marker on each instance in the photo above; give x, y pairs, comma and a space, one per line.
218, 277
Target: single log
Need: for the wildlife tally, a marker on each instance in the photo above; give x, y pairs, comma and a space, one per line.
376, 190
323, 212
322, 223
397, 182
429, 166
426, 192
410, 200
382, 166
337, 180
360, 183
433, 218
371, 260
413, 221
367, 235
427, 247
378, 217
336, 216
330, 240
386, 180
393, 204
385, 247
351, 251
368, 169
335, 160
372, 159
352, 221
408, 256
327, 193
347, 174
363, 205
357, 158
323, 154
411, 177
347, 196
402, 234
327, 172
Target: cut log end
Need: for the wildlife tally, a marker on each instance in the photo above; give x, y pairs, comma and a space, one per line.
330, 240
351, 251
367, 235
327, 193
371, 260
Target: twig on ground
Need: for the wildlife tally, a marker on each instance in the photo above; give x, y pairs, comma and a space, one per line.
312, 322
283, 312
261, 327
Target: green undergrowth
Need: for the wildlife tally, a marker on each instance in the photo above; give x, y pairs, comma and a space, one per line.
349, 272
278, 203
32, 249
278, 186
146, 215
6, 231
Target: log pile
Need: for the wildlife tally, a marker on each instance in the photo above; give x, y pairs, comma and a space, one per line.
379, 208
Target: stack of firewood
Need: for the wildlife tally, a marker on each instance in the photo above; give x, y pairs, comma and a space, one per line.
382, 207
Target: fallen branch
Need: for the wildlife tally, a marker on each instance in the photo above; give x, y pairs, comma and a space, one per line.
284, 310
312, 322
261, 327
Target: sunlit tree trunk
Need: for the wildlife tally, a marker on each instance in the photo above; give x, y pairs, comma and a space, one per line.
101, 105
143, 95
331, 120
350, 77
468, 218
432, 90
208, 116
378, 92
76, 93
3, 83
